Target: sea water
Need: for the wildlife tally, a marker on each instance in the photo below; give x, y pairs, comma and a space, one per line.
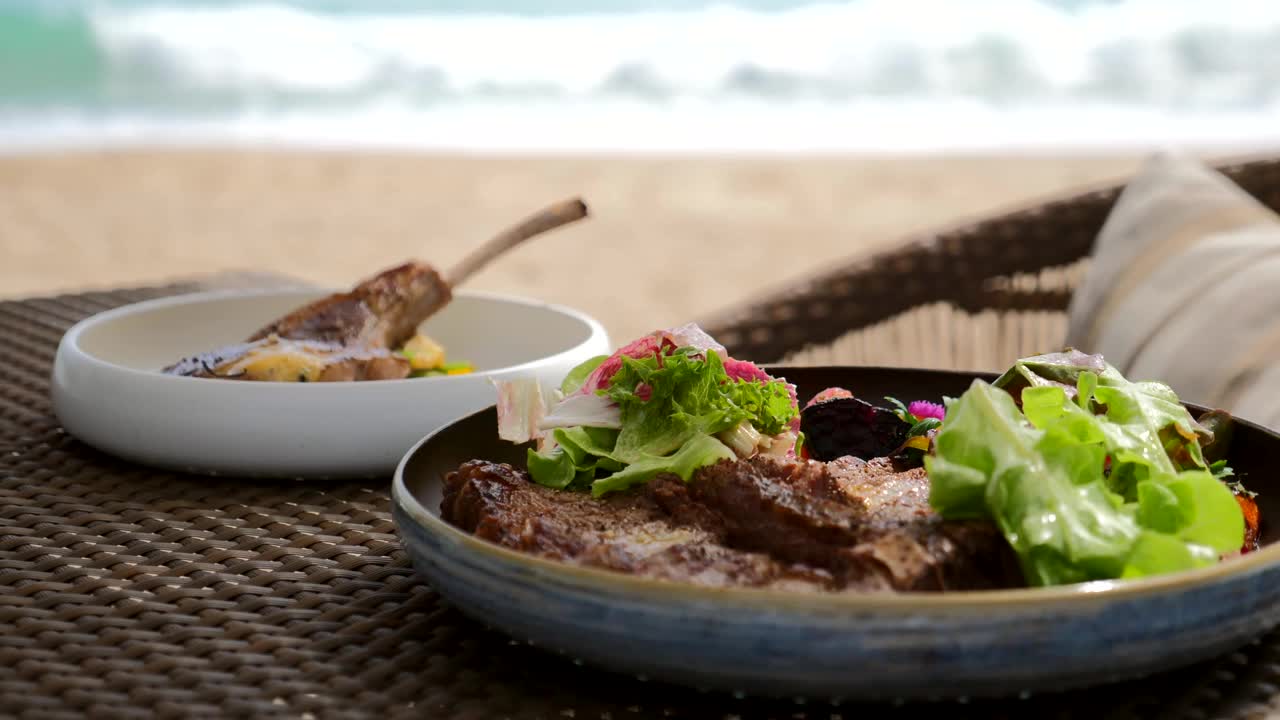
631, 75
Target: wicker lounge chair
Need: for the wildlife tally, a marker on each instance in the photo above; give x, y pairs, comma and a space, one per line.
971, 297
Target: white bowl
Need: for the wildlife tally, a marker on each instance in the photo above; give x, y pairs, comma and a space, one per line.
108, 390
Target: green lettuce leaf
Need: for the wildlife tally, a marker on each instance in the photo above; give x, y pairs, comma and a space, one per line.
1039, 473
1044, 490
1155, 553
1149, 425
1052, 370
697, 452
553, 468
1207, 513
769, 406
577, 377
576, 456
585, 443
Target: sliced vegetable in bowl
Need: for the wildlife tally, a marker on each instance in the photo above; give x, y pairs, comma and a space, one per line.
427, 358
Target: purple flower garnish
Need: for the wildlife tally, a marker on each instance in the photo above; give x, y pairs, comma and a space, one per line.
922, 409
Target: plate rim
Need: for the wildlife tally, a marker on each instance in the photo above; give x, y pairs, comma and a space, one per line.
1076, 595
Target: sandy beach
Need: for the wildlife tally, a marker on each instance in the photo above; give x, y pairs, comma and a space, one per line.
671, 239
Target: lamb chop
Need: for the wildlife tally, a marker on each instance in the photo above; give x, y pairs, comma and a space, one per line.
355, 335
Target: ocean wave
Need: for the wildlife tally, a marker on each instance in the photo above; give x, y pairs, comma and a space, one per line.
610, 126
200, 57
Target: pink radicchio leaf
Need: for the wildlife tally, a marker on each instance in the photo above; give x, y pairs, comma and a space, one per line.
743, 370
658, 343
647, 346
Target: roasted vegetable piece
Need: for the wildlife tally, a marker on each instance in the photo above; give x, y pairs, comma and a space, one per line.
1252, 522
423, 353
849, 426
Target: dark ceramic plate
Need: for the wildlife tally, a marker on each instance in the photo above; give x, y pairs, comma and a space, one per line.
900, 646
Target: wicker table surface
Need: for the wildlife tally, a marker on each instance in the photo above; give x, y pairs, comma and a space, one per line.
126, 592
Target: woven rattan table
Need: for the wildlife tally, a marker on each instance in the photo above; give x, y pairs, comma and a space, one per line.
126, 592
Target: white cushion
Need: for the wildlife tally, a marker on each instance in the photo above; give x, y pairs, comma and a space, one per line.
1184, 287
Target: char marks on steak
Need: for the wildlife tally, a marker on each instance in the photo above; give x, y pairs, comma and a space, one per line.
627, 532
843, 526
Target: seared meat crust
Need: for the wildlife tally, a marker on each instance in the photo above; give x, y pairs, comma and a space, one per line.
383, 311
845, 526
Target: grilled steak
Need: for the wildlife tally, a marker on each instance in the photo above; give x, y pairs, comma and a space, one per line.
913, 544
627, 532
844, 526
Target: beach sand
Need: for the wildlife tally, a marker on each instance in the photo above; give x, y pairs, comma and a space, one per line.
671, 239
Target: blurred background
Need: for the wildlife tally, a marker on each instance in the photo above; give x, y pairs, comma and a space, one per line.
724, 148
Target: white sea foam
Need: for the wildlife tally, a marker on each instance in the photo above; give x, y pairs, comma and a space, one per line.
634, 127
862, 75
1158, 51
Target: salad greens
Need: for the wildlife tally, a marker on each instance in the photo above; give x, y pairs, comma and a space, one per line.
653, 407
1089, 476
